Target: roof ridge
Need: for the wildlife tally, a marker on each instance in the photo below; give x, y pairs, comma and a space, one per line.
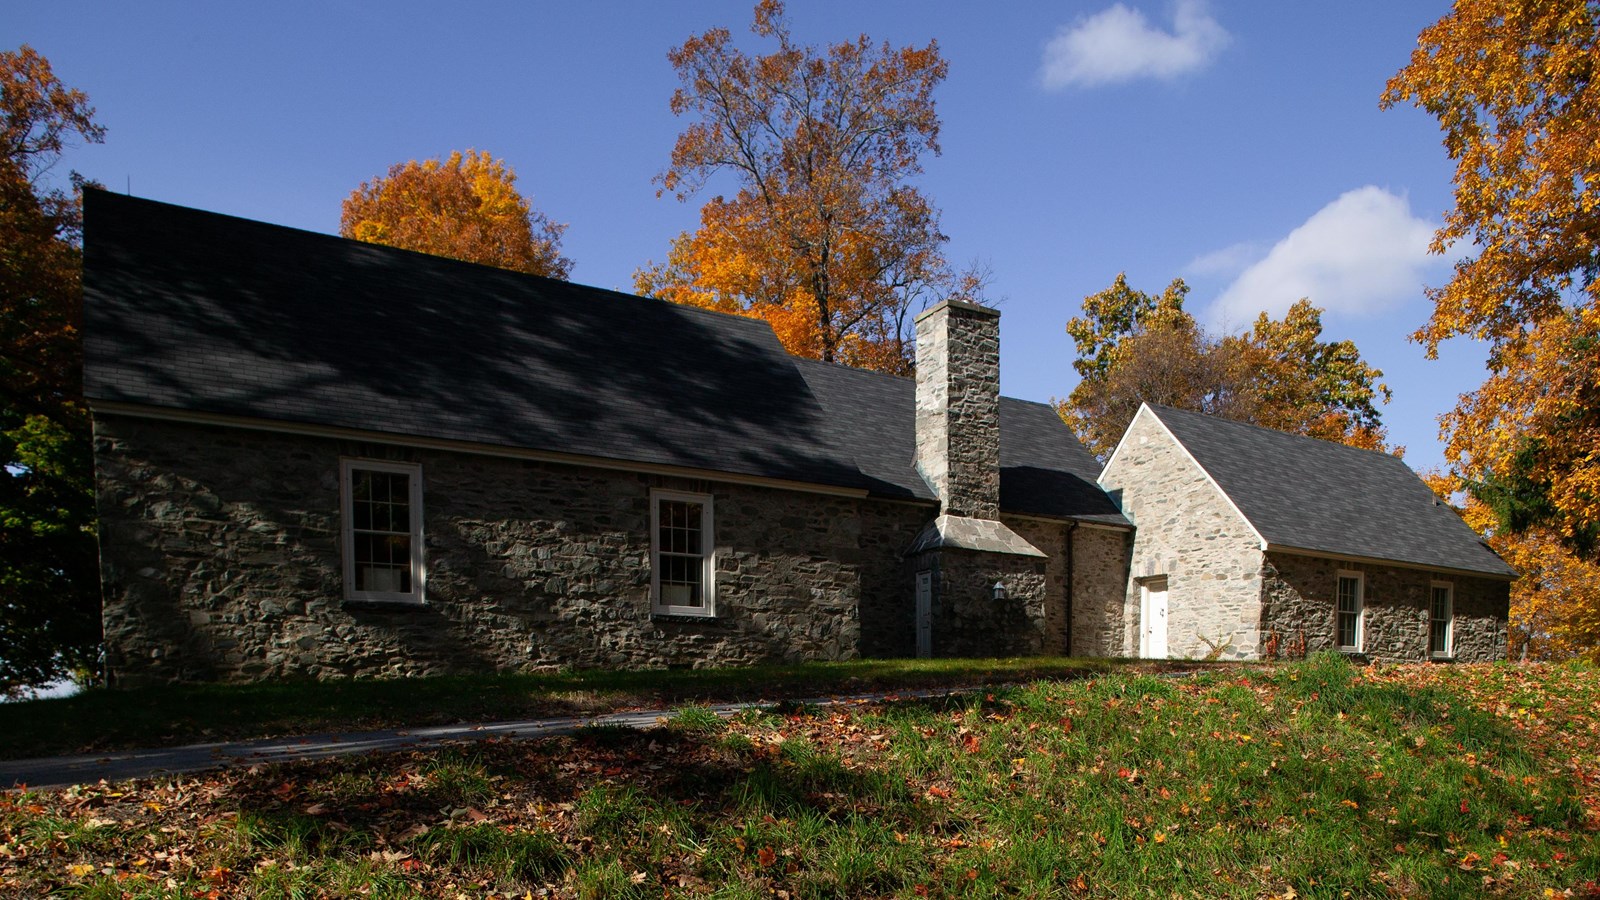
432, 258
1044, 403
847, 366
1314, 441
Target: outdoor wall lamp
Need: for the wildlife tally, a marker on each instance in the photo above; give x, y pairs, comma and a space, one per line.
999, 590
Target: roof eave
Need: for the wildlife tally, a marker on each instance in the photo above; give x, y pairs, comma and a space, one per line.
306, 429
1092, 521
1269, 547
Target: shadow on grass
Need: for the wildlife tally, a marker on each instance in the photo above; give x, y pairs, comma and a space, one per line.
520, 814
101, 720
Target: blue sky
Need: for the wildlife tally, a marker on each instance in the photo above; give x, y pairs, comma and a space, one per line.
1238, 145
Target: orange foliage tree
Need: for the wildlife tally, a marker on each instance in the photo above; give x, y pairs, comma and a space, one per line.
465, 207
1555, 603
824, 238
1512, 83
1134, 347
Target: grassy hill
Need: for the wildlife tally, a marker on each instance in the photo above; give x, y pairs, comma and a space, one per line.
1308, 779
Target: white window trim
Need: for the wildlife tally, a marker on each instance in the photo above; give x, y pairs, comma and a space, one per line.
1361, 609
1449, 622
419, 571
708, 552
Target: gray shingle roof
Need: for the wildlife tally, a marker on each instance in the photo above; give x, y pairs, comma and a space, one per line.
198, 311
1044, 471
1315, 495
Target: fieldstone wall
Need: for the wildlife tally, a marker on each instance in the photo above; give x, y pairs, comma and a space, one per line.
888, 598
1185, 529
1049, 538
220, 554
958, 406
1100, 624
967, 619
1299, 599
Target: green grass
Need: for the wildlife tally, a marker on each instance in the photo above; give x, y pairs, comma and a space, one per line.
1311, 779
100, 720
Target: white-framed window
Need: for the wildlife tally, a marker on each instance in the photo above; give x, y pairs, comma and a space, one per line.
382, 526
1441, 618
1348, 616
682, 570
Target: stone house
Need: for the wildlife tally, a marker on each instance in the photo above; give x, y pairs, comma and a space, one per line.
1250, 541
317, 457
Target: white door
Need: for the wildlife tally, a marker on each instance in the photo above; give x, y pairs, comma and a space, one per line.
924, 615
1153, 619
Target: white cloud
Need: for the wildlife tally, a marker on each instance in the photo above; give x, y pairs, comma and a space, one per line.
1359, 253
1227, 262
1119, 44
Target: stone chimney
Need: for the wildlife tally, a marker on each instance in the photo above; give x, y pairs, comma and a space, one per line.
958, 407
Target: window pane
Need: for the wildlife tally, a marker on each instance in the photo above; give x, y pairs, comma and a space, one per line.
381, 537
691, 524
680, 558
392, 518
1349, 611
399, 548
680, 527
361, 514
1347, 595
1439, 626
383, 578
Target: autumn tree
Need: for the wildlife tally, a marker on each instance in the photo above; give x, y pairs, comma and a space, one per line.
1555, 603
1295, 381
1134, 347
1512, 83
824, 238
49, 576
465, 207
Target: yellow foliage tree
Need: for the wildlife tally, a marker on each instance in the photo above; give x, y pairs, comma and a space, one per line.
1512, 83
824, 238
1134, 348
465, 207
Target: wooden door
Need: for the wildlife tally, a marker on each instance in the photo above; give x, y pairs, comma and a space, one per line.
1153, 619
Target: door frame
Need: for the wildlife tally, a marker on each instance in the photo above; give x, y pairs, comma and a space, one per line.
1151, 618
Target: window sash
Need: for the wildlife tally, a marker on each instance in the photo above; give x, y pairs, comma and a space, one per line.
382, 532
681, 549
1349, 612
1441, 615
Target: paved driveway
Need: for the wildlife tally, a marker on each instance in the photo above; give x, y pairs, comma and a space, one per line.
60, 771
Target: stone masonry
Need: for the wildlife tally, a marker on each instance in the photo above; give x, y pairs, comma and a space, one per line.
958, 407
1100, 560
1187, 531
968, 620
221, 560
1223, 590
967, 548
1298, 605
